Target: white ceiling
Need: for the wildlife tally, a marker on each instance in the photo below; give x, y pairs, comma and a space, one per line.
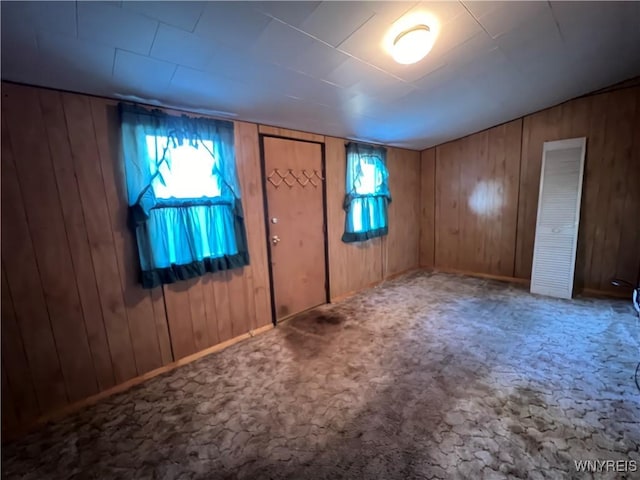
320, 67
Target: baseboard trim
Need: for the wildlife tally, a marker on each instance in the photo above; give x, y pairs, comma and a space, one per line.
592, 292
344, 296
93, 399
487, 276
587, 292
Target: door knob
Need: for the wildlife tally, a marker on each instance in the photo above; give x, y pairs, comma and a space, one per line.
275, 239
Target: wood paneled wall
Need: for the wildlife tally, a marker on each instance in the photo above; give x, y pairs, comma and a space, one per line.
74, 319
212, 309
476, 198
501, 166
402, 244
427, 208
609, 234
354, 266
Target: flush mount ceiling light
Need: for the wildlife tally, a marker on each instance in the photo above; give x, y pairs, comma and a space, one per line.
412, 45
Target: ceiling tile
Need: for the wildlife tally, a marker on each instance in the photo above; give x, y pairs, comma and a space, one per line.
184, 14
180, 47
55, 17
17, 31
485, 64
279, 42
364, 105
496, 79
20, 62
142, 73
61, 62
234, 24
392, 9
500, 20
442, 11
460, 27
213, 87
436, 78
84, 59
411, 73
470, 50
225, 61
465, 84
313, 90
366, 43
293, 13
381, 86
350, 72
533, 41
317, 60
617, 23
250, 70
455, 33
478, 9
115, 27
333, 22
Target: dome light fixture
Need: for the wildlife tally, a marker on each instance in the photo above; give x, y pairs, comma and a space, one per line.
412, 45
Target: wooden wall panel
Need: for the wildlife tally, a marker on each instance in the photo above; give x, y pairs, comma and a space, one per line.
54, 119
75, 319
210, 309
295, 134
238, 300
227, 304
630, 231
510, 157
198, 314
504, 156
15, 370
537, 129
147, 347
25, 289
248, 162
476, 201
402, 244
447, 205
9, 415
427, 207
162, 327
176, 297
607, 239
353, 266
96, 213
220, 287
36, 176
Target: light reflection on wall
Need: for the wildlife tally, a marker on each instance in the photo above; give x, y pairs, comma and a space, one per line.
487, 198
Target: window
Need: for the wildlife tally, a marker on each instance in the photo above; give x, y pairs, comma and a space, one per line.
184, 199
367, 193
190, 172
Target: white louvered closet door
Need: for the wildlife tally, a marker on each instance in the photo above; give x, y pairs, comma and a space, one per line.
554, 253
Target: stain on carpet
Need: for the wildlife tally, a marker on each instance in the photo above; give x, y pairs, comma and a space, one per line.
429, 376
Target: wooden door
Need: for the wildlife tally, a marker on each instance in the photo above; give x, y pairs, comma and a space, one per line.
295, 209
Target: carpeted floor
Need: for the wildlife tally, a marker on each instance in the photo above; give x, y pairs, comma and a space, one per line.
428, 376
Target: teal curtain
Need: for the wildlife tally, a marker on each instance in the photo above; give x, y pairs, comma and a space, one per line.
184, 195
367, 195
